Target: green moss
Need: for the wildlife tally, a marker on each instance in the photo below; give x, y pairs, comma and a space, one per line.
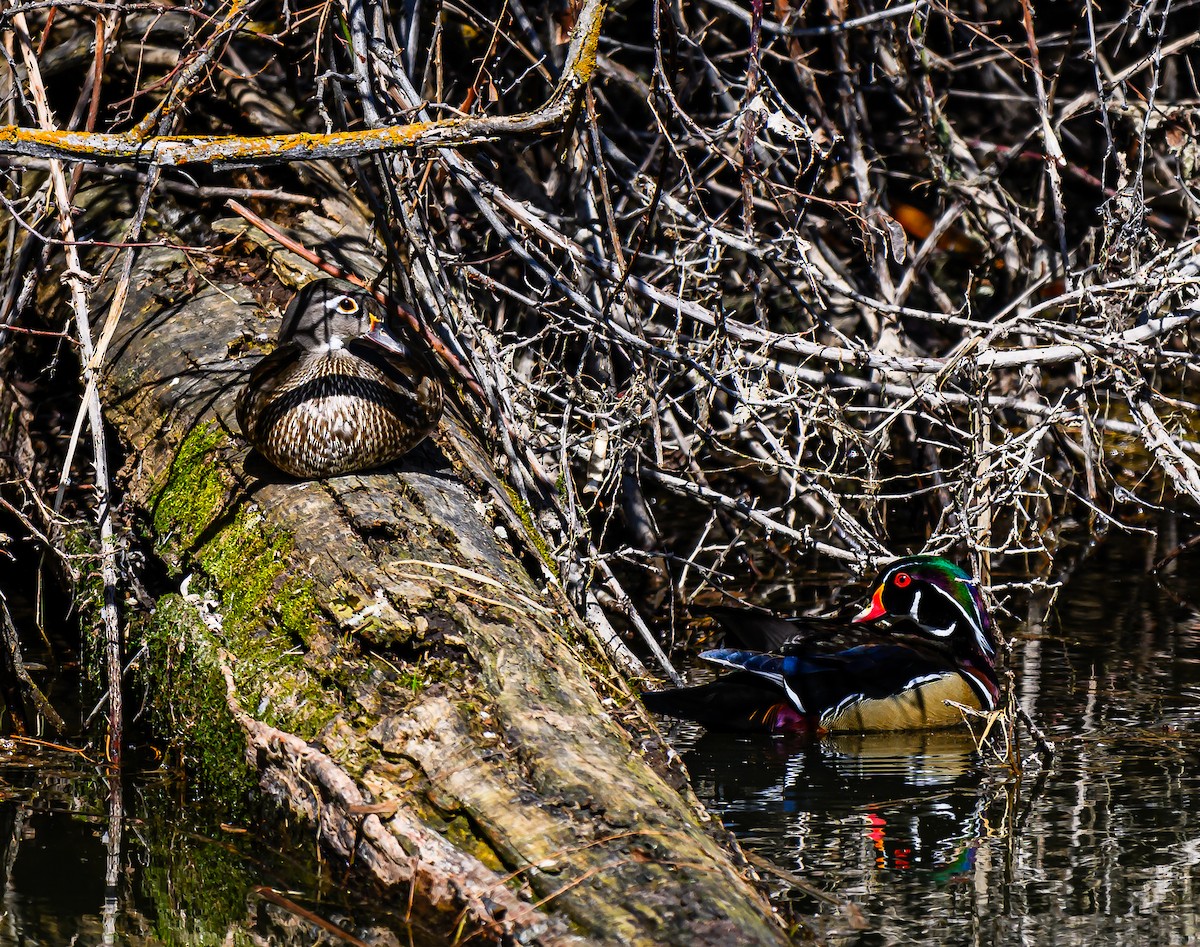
246, 563
532, 533
188, 699
296, 606
264, 613
461, 832
195, 491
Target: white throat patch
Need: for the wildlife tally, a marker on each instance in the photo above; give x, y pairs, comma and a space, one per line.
335, 344
980, 638
936, 632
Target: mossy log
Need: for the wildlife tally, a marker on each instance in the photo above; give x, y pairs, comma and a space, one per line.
377, 646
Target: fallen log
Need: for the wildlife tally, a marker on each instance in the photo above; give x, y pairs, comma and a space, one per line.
402, 670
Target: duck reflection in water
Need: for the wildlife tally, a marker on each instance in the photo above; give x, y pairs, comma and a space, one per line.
887, 801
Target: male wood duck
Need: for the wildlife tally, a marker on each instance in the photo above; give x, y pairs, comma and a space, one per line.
925, 637
340, 393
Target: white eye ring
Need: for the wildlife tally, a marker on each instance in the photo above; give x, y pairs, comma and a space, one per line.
347, 305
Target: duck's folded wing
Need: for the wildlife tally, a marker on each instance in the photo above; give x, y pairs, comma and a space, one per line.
737, 702
819, 684
749, 630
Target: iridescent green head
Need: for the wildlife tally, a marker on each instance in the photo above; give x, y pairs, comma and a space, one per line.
938, 597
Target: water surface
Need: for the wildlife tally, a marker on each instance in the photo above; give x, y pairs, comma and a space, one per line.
935, 842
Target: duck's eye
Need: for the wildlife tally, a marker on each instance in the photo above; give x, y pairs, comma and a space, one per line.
347, 306
902, 580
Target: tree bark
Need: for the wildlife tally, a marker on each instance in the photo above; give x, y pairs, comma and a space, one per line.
403, 669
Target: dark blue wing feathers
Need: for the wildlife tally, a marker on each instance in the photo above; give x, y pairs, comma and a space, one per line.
816, 682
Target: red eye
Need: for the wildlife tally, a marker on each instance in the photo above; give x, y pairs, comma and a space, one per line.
902, 580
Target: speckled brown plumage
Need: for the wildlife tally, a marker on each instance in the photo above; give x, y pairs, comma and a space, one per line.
340, 393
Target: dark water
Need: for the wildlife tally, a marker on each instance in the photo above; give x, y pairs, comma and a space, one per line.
151, 860
936, 842
177, 876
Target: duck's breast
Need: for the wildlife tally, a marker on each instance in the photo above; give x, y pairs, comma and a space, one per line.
920, 706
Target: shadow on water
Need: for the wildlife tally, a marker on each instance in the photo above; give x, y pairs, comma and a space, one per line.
936, 843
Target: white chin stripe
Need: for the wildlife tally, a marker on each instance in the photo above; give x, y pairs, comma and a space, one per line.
948, 631
936, 632
915, 607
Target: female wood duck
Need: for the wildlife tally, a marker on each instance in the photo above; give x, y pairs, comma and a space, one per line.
340, 393
925, 637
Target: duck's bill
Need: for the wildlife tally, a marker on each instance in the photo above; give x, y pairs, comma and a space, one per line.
382, 336
874, 610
